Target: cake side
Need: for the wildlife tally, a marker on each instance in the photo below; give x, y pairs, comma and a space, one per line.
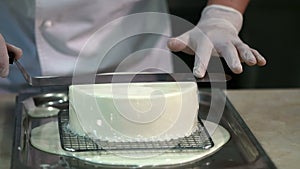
134, 112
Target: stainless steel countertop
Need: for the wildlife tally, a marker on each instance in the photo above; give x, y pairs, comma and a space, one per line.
272, 116
7, 105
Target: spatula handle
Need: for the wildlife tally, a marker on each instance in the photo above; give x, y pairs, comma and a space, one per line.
11, 56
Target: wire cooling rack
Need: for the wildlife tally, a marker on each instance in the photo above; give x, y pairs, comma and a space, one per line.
70, 141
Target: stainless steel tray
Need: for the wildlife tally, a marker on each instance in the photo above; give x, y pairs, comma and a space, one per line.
242, 150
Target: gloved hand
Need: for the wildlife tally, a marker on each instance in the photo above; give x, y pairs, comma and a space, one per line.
217, 30
4, 58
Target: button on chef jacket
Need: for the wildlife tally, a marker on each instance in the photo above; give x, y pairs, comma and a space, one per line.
54, 34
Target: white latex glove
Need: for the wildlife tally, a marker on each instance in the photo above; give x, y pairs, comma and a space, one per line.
218, 30
4, 58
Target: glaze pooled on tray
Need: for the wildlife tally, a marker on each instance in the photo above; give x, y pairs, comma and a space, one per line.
46, 138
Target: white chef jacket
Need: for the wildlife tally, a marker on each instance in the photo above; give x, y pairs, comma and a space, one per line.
53, 34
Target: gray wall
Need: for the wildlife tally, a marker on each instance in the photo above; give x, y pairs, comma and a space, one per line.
270, 26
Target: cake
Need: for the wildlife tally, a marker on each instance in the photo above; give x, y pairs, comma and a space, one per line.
153, 111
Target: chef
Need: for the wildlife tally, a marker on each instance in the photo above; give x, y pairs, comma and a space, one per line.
52, 35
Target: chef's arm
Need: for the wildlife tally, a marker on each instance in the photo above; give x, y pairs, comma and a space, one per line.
217, 31
4, 58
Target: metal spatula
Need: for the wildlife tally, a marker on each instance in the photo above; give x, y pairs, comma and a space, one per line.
115, 78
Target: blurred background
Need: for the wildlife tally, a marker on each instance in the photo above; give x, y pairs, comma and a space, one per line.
270, 26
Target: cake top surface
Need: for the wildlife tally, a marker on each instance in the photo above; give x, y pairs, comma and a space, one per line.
135, 90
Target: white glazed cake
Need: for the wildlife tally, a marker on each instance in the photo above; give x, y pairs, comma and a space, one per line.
134, 111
